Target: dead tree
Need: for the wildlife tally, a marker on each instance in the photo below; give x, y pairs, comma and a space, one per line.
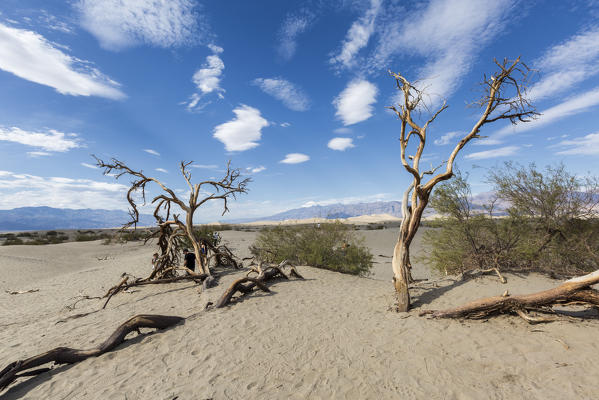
574, 291
172, 229
503, 99
67, 355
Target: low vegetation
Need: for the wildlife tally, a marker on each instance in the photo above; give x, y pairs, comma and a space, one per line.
548, 223
333, 246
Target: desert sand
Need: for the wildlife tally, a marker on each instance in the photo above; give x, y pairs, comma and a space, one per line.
331, 336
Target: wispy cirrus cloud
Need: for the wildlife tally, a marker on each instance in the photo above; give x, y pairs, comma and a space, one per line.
354, 103
567, 64
255, 170
448, 34
357, 37
118, 24
586, 145
574, 105
152, 152
50, 141
447, 138
281, 89
340, 144
30, 56
293, 26
24, 190
494, 153
295, 158
164, 171
244, 131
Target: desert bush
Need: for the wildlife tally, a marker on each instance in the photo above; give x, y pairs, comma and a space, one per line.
12, 240
548, 225
90, 235
332, 246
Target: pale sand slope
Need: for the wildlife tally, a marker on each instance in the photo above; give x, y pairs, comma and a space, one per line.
329, 337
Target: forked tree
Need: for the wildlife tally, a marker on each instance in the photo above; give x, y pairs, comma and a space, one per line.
503, 99
171, 228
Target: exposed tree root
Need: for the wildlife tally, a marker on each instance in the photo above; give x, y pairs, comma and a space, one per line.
574, 290
246, 284
67, 355
475, 273
125, 283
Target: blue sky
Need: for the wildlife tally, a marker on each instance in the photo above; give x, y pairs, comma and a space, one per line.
293, 93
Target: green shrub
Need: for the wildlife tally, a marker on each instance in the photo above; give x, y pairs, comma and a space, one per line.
549, 227
12, 241
331, 246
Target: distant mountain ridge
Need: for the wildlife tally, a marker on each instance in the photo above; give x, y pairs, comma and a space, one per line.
335, 211
49, 218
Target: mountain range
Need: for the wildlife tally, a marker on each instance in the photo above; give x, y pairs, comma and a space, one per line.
48, 218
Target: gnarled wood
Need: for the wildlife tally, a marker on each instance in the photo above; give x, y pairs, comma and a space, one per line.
124, 284
246, 284
573, 290
67, 355
503, 98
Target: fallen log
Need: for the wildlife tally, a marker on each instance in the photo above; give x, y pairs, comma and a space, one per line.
246, 284
67, 355
574, 290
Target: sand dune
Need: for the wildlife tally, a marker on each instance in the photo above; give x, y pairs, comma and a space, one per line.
329, 337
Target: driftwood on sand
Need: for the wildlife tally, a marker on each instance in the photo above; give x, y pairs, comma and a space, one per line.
247, 284
67, 355
574, 291
129, 281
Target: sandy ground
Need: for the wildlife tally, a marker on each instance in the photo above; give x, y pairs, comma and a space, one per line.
331, 336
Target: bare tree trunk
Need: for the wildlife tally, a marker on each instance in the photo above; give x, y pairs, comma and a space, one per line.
401, 273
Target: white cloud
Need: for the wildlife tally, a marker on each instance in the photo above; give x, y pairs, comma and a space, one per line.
357, 37
207, 79
285, 124
447, 34
295, 158
574, 105
38, 154
255, 170
292, 27
50, 141
244, 131
567, 64
354, 103
162, 170
86, 165
499, 152
341, 144
293, 97
30, 56
446, 139
152, 152
23, 190
118, 24
586, 145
